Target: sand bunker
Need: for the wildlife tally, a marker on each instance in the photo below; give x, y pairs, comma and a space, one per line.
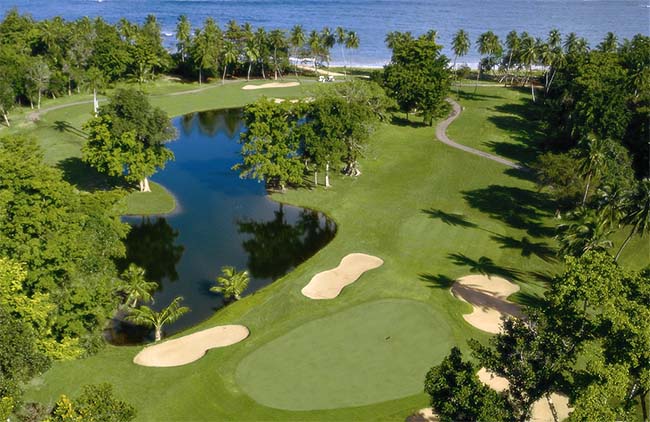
488, 295
270, 85
423, 415
541, 411
187, 349
328, 284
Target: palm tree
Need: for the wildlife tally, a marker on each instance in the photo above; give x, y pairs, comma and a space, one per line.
488, 44
352, 41
328, 41
232, 283
297, 40
278, 41
94, 79
136, 287
460, 44
637, 213
512, 44
554, 42
609, 44
341, 37
229, 55
593, 161
252, 54
262, 43
571, 43
146, 316
528, 53
589, 231
183, 36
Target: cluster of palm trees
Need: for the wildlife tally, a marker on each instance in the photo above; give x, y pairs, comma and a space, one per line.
516, 57
210, 49
613, 206
136, 289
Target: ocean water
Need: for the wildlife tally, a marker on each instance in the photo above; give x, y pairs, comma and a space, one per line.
372, 19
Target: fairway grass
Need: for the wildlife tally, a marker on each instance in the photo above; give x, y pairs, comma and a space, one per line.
369, 353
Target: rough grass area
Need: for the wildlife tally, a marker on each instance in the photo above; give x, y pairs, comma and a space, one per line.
366, 354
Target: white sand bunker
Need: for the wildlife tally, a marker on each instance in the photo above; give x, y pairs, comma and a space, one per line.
187, 349
328, 284
488, 295
270, 85
541, 411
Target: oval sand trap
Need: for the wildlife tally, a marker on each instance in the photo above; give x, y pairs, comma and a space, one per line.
270, 85
423, 415
187, 349
365, 354
489, 296
328, 284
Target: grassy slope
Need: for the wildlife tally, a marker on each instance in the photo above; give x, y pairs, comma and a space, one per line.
394, 211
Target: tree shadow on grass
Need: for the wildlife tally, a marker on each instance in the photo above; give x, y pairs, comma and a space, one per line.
519, 208
451, 219
86, 178
463, 95
439, 281
63, 126
485, 266
527, 247
402, 121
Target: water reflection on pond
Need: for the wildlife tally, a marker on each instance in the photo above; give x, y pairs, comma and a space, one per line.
221, 220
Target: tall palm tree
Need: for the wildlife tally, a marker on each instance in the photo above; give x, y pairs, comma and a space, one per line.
297, 40
571, 43
94, 79
512, 44
528, 53
232, 283
278, 41
147, 317
637, 213
229, 56
136, 287
252, 54
352, 41
183, 36
262, 44
328, 41
315, 47
460, 45
487, 44
593, 159
341, 38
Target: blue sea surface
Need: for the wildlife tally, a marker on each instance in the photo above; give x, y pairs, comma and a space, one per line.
372, 19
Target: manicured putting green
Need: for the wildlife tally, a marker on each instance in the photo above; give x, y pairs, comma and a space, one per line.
370, 353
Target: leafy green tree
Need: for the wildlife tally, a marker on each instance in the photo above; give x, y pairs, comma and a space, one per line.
20, 358
231, 283
458, 395
592, 162
559, 174
206, 47
148, 317
136, 287
588, 231
39, 74
97, 403
94, 80
128, 138
269, 148
417, 76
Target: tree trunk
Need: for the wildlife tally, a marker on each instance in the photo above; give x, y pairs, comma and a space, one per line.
223, 77
315, 178
263, 73
478, 75
532, 90
584, 198
4, 114
199, 76
158, 333
95, 103
551, 406
144, 185
327, 175
644, 405
551, 81
627, 240
275, 63
69, 87
39, 99
248, 74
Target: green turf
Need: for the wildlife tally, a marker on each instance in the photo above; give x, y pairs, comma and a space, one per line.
369, 353
428, 210
158, 201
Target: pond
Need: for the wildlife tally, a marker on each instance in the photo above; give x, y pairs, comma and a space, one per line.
220, 220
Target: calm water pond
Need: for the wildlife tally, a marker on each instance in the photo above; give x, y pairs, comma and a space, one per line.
220, 220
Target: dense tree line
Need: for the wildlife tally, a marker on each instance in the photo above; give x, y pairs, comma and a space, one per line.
588, 340
56, 57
